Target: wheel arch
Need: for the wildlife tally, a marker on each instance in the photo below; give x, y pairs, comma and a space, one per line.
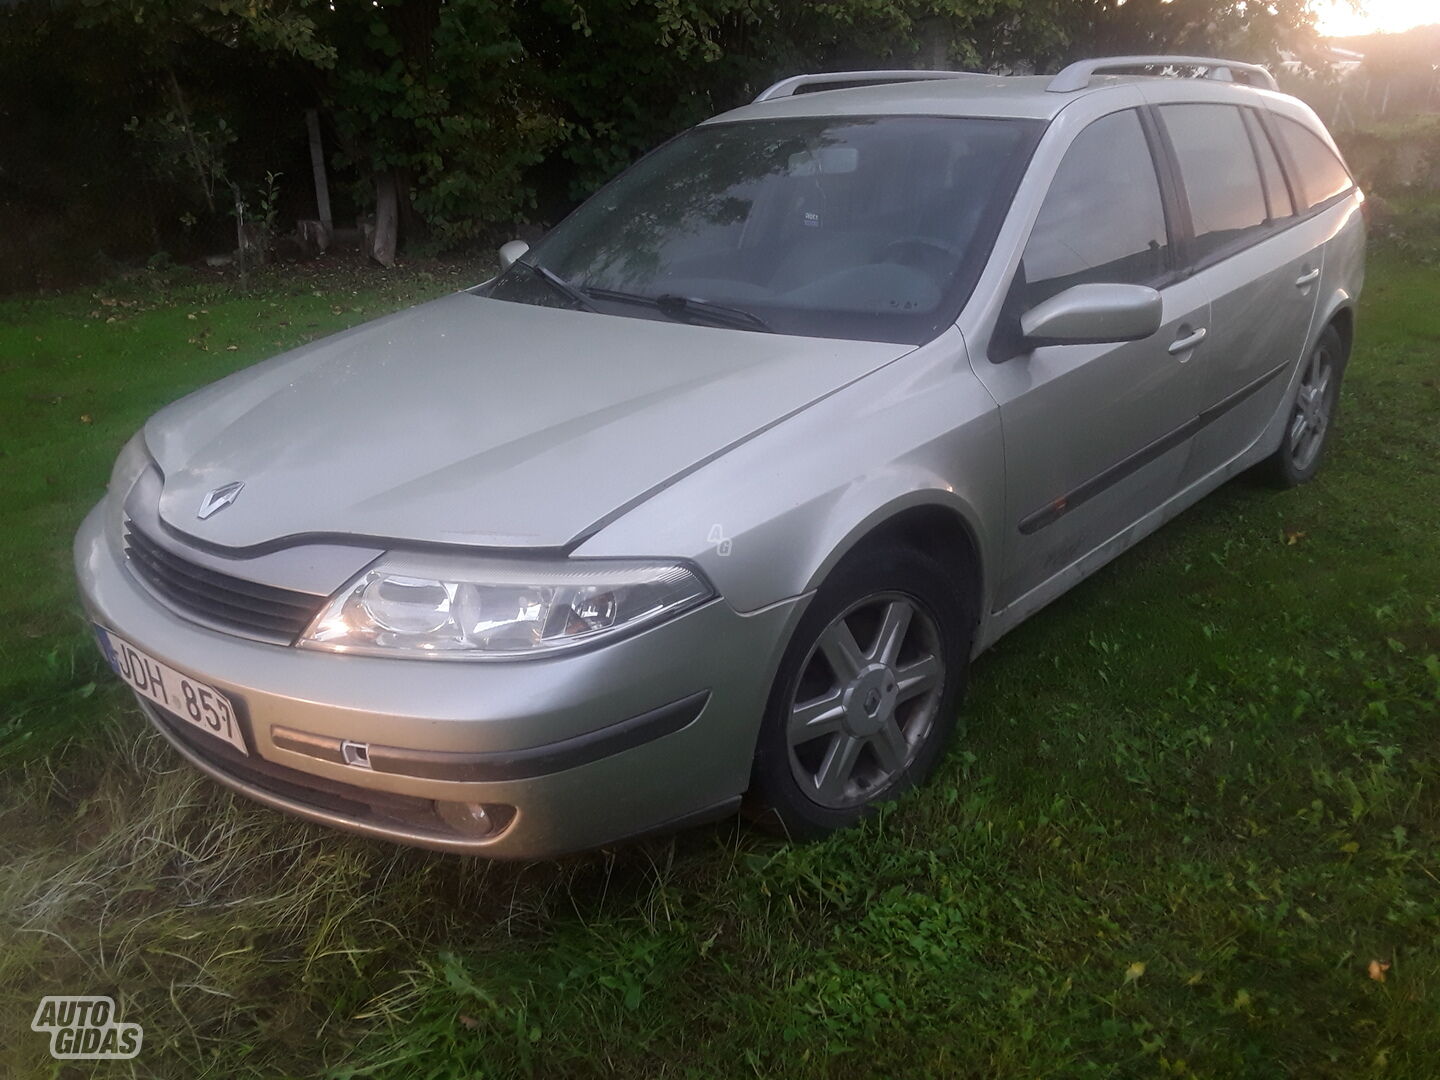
930, 521
1342, 318
925, 521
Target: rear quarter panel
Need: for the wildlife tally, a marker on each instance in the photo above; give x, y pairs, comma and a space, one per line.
1343, 224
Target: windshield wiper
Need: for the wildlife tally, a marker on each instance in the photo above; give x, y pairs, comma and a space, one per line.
685, 308
561, 286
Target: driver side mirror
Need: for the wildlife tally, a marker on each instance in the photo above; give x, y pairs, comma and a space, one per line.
1094, 314
511, 253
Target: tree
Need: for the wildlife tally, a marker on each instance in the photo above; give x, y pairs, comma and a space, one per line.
194, 125
626, 73
436, 105
1238, 29
451, 117
1401, 72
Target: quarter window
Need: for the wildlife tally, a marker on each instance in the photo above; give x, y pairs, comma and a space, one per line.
1103, 220
1320, 173
1220, 174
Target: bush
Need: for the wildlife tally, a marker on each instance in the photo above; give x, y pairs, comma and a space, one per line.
1410, 227
1396, 158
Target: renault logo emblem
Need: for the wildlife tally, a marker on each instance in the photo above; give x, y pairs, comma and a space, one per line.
220, 498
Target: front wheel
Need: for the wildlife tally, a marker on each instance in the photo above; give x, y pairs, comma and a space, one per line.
867, 692
1311, 416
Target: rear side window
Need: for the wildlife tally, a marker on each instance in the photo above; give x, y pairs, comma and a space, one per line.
1220, 174
1276, 193
1320, 173
1103, 220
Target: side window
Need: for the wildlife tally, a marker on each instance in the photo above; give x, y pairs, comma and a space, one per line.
1321, 175
1276, 193
1102, 220
1220, 174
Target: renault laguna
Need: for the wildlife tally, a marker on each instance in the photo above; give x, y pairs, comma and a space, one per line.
707, 501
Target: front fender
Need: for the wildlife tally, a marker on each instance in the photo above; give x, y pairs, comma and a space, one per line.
768, 520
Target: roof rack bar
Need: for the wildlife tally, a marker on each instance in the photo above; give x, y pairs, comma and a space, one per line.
1077, 76
789, 87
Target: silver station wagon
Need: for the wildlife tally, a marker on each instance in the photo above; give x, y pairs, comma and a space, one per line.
707, 501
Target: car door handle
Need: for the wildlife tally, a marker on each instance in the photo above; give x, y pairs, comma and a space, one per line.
1308, 278
1188, 342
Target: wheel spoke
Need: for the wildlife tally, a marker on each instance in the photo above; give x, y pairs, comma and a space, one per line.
916, 678
837, 645
1297, 428
838, 766
893, 628
890, 746
813, 719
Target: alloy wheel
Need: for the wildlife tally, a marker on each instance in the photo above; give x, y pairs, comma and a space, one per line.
1313, 407
865, 701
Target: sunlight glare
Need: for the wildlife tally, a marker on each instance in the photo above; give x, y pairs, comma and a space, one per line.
1337, 18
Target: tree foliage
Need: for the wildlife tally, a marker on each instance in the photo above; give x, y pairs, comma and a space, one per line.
1240, 29
484, 112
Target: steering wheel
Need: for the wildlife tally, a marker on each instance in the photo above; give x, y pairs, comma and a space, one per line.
925, 253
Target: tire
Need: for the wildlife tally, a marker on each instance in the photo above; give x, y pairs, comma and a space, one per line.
1312, 415
873, 724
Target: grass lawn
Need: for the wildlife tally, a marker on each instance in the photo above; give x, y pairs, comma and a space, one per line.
1196, 812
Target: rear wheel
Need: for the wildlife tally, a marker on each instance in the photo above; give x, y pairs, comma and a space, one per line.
867, 692
1311, 416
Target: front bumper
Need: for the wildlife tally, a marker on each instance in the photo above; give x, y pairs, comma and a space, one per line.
649, 731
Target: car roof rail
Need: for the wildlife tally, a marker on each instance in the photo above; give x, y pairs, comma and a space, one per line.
1078, 75
838, 79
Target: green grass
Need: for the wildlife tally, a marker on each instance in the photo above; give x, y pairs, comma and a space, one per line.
1197, 798
79, 374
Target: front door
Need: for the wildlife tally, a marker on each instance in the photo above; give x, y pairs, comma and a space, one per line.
1095, 435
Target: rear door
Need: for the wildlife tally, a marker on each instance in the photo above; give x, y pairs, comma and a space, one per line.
1261, 273
1095, 436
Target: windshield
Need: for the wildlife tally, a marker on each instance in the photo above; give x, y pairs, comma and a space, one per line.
871, 228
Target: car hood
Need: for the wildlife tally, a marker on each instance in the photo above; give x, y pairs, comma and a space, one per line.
482, 422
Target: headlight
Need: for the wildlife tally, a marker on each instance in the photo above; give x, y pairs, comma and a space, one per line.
425, 607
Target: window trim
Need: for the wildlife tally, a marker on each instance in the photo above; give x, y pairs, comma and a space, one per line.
1172, 190
1256, 131
1174, 206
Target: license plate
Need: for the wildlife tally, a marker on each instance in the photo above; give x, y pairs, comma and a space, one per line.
193, 701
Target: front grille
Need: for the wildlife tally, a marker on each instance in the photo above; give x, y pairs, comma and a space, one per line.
213, 597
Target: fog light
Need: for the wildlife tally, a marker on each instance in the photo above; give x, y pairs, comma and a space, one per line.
479, 820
